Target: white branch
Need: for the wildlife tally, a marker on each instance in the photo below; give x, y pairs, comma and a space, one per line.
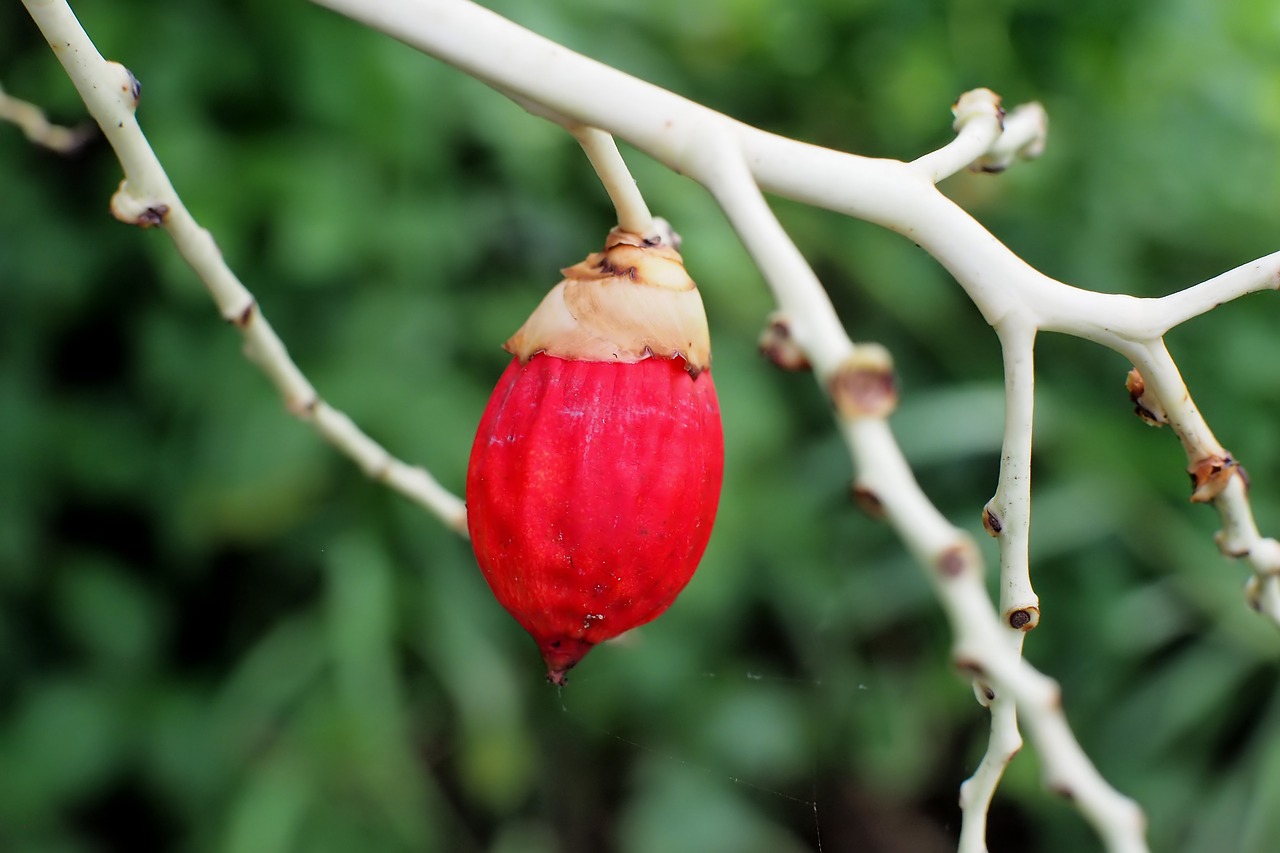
979, 121
1026, 131
951, 560
602, 152
981, 644
1177, 308
1008, 516
736, 161
1217, 478
146, 198
722, 168
31, 120
633, 213
899, 196
672, 129
978, 790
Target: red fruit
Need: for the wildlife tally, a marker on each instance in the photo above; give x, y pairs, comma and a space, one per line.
594, 481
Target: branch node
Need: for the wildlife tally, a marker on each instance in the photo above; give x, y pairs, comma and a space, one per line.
131, 210
958, 560
1063, 791
242, 318
303, 408
1026, 133
1145, 405
991, 521
970, 666
779, 346
1210, 475
867, 501
1231, 547
864, 386
1023, 618
976, 103
128, 86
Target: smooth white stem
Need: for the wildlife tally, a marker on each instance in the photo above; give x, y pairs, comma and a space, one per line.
978, 120
982, 647
1177, 308
978, 790
674, 130
1026, 131
602, 151
815, 327
31, 120
1012, 501
1009, 518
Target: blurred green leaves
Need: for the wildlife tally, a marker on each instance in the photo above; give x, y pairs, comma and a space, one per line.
215, 635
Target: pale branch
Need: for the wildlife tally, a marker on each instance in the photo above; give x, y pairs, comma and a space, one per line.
1068, 771
1217, 478
1026, 131
147, 198
1177, 308
977, 791
672, 129
981, 646
1007, 517
897, 195
814, 326
708, 146
860, 384
979, 122
602, 151
31, 120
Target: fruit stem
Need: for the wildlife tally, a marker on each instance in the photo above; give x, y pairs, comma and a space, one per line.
602, 151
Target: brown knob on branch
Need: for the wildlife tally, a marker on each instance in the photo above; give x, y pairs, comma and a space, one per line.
865, 386
1145, 405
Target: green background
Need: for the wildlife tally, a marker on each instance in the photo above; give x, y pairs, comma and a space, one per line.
216, 635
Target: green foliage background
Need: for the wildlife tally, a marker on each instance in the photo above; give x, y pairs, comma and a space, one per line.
215, 635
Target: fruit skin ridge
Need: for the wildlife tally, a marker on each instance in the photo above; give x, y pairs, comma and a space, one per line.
591, 493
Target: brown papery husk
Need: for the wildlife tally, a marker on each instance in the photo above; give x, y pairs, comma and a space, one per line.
630, 302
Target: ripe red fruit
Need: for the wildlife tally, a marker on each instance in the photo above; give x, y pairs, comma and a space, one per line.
596, 469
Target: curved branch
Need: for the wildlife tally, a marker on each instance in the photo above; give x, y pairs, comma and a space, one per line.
950, 558
147, 199
31, 120
979, 120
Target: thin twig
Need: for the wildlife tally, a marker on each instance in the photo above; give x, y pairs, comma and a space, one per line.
982, 647
978, 125
31, 120
147, 198
602, 151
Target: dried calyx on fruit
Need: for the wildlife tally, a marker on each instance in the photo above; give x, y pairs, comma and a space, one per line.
596, 469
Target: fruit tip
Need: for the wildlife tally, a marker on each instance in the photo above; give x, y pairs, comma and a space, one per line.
561, 655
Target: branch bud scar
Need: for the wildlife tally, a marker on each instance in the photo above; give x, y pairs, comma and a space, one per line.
867, 501
778, 345
1145, 405
864, 386
1210, 475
